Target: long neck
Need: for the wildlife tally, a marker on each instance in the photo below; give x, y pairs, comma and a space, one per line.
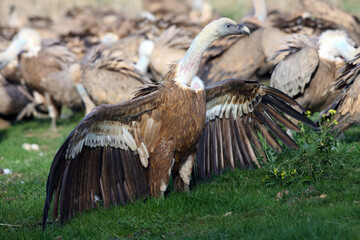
11, 52
260, 11
188, 66
347, 51
15, 48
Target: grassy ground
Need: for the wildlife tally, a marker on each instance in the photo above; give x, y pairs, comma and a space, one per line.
248, 204
318, 202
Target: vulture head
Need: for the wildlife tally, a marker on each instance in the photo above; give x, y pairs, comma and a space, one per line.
26, 40
334, 44
219, 28
225, 27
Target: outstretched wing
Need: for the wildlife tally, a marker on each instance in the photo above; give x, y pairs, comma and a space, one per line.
238, 112
104, 159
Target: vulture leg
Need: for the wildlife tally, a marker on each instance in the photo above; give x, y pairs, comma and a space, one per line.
160, 166
53, 109
27, 111
182, 174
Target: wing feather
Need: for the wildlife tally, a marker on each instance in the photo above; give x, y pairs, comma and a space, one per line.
238, 114
104, 159
291, 75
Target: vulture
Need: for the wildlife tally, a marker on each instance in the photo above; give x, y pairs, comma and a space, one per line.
127, 151
347, 104
44, 66
310, 67
110, 73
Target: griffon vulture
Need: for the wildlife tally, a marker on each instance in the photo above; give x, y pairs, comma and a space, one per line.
45, 68
127, 151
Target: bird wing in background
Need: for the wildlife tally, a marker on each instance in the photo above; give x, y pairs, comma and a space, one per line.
105, 157
238, 112
115, 61
322, 9
111, 65
170, 47
292, 74
347, 104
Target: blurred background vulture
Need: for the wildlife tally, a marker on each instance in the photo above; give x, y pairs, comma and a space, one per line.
310, 67
127, 151
347, 104
112, 72
44, 66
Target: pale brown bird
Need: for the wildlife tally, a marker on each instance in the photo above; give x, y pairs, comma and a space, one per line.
168, 48
347, 104
127, 151
45, 68
110, 73
311, 66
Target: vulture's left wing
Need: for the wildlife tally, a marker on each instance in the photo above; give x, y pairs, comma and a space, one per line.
238, 112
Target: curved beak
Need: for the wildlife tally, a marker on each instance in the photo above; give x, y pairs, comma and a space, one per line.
243, 30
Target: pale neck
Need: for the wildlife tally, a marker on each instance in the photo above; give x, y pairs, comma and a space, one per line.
142, 64
15, 48
188, 66
260, 11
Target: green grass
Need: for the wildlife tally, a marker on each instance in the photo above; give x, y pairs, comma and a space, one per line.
235, 205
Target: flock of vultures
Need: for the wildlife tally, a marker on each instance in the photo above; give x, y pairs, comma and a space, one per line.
167, 94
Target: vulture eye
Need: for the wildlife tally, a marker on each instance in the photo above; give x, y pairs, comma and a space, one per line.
228, 26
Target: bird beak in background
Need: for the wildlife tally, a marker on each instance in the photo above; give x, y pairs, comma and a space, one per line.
243, 30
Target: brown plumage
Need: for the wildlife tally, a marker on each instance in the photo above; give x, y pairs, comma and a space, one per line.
169, 47
109, 72
311, 66
347, 104
45, 68
237, 112
127, 151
